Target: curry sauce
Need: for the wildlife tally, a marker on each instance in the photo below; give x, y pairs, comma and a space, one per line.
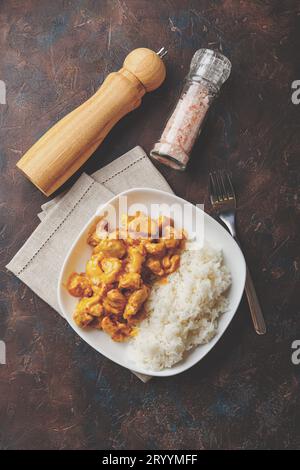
124, 265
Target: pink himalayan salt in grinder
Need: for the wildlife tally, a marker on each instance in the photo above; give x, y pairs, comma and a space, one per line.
208, 71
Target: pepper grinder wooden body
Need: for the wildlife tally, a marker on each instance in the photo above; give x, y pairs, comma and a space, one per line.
64, 148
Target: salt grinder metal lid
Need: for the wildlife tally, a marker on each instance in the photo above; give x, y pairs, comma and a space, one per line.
211, 66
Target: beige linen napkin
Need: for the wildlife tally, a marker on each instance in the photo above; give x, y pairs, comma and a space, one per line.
39, 261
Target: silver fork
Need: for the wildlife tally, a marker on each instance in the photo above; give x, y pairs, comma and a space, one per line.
223, 200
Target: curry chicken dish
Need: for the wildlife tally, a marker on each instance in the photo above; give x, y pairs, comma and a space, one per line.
124, 265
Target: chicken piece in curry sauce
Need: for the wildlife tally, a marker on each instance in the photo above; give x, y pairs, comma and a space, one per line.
119, 274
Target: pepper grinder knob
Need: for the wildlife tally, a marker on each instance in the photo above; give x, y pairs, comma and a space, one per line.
147, 67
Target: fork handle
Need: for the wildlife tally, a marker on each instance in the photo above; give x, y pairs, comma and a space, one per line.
255, 310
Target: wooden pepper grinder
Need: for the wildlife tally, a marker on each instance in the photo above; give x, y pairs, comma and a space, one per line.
59, 153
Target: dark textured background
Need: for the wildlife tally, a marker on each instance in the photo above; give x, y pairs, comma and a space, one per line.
55, 391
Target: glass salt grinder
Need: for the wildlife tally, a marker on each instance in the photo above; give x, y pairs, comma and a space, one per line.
208, 71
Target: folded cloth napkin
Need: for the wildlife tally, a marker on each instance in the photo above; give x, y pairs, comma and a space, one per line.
39, 261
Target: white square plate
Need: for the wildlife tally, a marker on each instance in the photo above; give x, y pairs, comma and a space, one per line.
214, 233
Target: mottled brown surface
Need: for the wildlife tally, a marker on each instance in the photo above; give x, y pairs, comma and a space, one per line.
55, 391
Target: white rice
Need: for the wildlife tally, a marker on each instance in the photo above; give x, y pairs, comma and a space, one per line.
184, 312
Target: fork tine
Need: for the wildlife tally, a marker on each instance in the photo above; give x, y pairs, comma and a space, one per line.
222, 183
221, 194
229, 187
213, 189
